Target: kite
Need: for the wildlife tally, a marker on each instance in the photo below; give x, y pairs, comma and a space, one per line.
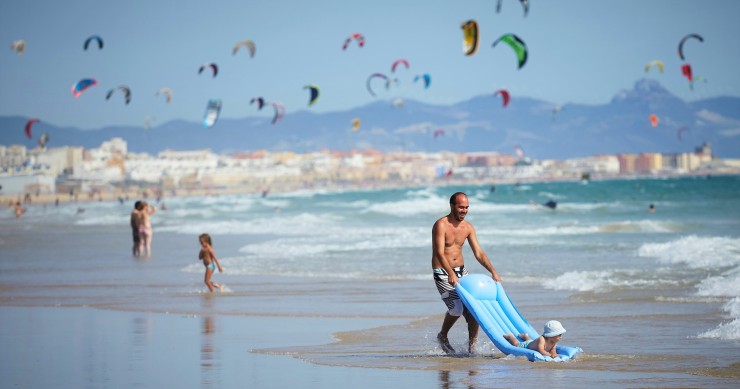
314, 93
249, 44
657, 63
555, 110
438, 132
259, 100
279, 112
376, 75
397, 102
82, 86
470, 37
18, 46
519, 151
95, 38
167, 93
148, 122
654, 120
426, 77
683, 40
686, 71
123, 88
212, 66
213, 110
30, 124
504, 95
525, 5
356, 36
399, 62
355, 124
517, 44
43, 139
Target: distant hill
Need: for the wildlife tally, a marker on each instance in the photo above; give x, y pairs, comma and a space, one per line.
478, 124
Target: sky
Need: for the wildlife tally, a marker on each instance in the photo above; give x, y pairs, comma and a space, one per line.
580, 51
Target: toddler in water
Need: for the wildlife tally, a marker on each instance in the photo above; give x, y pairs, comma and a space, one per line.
208, 256
545, 344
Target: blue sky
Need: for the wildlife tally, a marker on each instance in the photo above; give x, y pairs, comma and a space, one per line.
580, 51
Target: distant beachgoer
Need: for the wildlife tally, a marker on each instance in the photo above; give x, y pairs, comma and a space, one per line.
135, 220
210, 261
544, 344
448, 236
651, 208
549, 204
19, 210
145, 229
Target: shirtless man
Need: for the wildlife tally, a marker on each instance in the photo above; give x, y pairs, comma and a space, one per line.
448, 236
135, 220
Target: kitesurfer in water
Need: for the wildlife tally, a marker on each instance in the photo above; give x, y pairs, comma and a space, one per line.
552, 204
449, 233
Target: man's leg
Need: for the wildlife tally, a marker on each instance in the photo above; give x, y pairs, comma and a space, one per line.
472, 331
444, 343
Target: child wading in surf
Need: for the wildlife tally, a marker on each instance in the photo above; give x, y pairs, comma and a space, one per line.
208, 256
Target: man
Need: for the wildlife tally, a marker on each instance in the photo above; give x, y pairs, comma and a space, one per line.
135, 221
448, 236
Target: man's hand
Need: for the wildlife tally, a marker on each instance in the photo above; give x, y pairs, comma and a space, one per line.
452, 279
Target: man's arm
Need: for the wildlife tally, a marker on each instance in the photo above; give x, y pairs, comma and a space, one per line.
480, 255
438, 251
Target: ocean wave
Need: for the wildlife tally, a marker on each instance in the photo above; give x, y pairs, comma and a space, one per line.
105, 219
301, 224
729, 330
360, 239
695, 252
725, 284
725, 331
565, 229
642, 226
409, 207
605, 281
551, 195
247, 266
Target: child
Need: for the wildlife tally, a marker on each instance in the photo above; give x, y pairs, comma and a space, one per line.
545, 344
208, 256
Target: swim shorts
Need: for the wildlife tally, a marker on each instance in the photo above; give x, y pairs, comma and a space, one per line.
447, 292
135, 231
525, 343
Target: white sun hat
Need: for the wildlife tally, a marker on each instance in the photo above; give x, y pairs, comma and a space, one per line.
553, 328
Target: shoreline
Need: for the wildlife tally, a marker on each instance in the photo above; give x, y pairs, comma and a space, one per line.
136, 193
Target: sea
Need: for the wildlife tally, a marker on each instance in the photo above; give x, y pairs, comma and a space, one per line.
653, 298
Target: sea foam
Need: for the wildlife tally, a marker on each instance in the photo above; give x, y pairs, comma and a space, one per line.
729, 330
604, 281
695, 252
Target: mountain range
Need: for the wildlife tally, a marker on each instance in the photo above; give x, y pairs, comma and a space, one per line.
541, 129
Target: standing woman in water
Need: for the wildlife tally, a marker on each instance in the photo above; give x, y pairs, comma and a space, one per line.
145, 229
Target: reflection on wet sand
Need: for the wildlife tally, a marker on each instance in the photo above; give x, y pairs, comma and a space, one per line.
209, 365
446, 383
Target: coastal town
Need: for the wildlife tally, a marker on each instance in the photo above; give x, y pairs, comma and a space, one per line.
111, 171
